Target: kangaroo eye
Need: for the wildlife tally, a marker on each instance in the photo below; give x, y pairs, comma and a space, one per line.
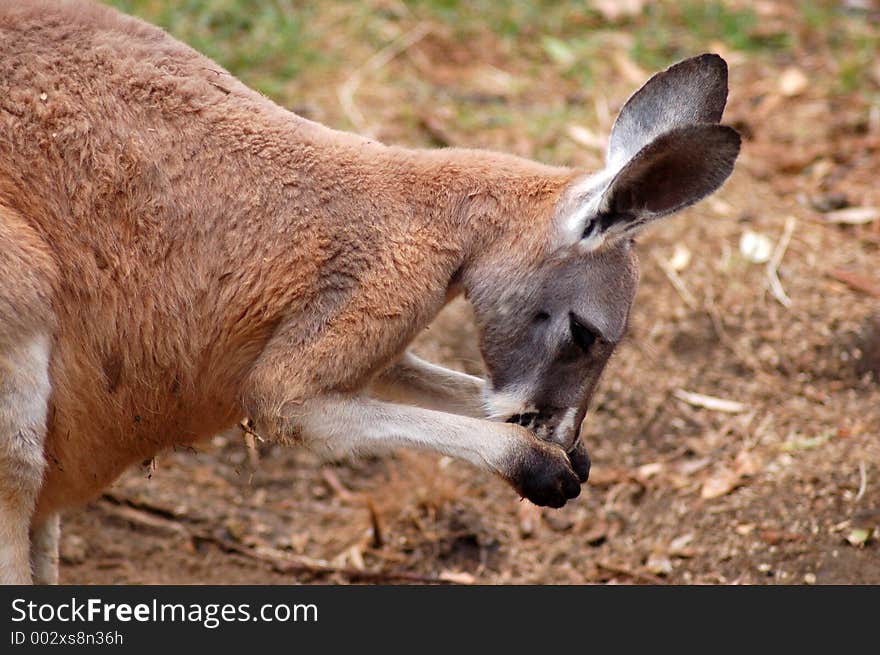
583, 336
590, 227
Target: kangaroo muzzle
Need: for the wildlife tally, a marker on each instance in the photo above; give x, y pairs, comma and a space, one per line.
560, 426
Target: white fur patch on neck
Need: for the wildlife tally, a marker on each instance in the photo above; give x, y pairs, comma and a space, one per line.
501, 405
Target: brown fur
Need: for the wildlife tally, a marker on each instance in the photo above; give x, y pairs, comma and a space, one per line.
201, 254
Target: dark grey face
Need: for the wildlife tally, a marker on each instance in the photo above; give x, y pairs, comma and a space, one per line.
548, 330
547, 336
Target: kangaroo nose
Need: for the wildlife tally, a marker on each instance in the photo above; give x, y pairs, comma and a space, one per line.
568, 429
580, 461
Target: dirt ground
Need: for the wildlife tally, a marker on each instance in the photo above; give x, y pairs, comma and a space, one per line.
783, 486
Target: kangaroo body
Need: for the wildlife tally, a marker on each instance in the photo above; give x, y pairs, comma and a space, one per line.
152, 179
177, 252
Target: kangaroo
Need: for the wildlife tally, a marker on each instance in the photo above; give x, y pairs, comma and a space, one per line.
177, 253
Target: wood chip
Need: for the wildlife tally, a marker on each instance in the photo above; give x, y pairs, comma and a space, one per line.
853, 215
773, 281
710, 402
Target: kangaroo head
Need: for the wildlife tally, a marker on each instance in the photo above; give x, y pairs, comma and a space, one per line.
549, 325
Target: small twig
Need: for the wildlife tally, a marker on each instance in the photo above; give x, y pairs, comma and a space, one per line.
338, 488
677, 283
855, 281
250, 442
635, 575
710, 402
347, 90
247, 426
773, 281
863, 481
148, 508
282, 562
378, 538
157, 518
144, 519
250, 445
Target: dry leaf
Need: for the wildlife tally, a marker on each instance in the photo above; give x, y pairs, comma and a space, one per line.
720, 484
603, 476
859, 536
678, 546
659, 564
747, 463
492, 81
649, 470
559, 51
356, 557
691, 466
458, 577
613, 10
806, 443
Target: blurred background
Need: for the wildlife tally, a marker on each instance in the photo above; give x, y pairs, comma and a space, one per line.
736, 434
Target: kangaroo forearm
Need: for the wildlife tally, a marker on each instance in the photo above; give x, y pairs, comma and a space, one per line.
414, 381
341, 423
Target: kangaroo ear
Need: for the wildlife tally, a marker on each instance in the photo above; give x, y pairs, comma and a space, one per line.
675, 170
691, 92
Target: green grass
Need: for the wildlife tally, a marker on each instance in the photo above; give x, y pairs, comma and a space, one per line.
267, 43
671, 31
299, 51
